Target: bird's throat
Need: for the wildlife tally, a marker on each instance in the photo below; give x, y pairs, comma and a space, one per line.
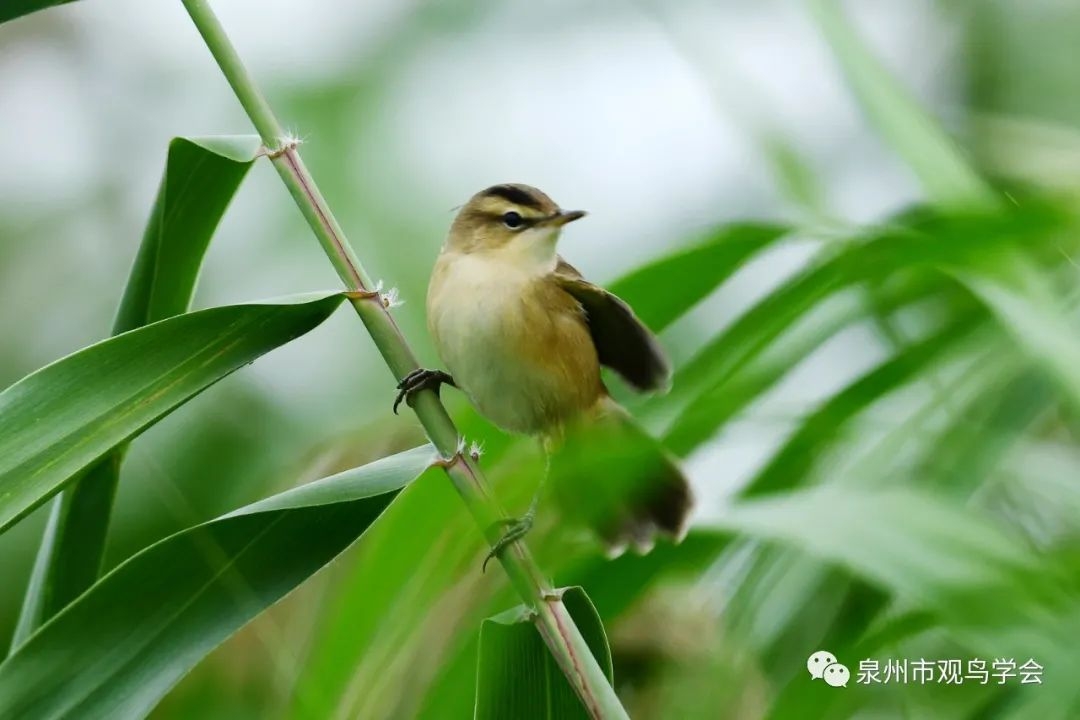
532, 252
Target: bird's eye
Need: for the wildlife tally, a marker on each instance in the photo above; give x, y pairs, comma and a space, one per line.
512, 220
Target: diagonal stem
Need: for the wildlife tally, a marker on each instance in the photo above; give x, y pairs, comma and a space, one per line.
554, 623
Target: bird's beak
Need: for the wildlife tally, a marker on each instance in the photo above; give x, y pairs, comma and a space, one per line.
566, 216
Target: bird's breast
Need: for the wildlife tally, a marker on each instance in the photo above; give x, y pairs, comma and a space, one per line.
516, 344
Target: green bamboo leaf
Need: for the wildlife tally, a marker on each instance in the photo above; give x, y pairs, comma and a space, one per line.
661, 291
717, 405
201, 176
969, 448
59, 421
516, 677
116, 650
1043, 332
17, 8
791, 465
949, 180
914, 251
982, 581
977, 442
914, 135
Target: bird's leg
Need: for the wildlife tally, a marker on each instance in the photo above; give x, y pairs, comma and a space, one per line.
518, 527
421, 379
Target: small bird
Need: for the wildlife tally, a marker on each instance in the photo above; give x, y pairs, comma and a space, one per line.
524, 335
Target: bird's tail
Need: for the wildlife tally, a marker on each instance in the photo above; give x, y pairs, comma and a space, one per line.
608, 472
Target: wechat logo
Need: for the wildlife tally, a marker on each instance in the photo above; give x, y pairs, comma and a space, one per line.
823, 666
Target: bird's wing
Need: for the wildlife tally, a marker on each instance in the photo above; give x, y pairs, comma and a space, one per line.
623, 343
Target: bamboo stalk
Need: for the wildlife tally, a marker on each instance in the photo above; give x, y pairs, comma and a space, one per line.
554, 623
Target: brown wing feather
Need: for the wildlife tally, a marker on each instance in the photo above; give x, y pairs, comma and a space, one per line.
623, 343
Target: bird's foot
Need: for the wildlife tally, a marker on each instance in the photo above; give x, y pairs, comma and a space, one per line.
516, 528
421, 379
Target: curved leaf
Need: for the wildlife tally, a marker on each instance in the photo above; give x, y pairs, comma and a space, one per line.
17, 8
201, 176
60, 420
116, 650
516, 677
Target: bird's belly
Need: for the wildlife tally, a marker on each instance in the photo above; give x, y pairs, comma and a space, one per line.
516, 398
526, 367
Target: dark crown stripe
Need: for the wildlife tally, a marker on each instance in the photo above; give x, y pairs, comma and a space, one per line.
515, 195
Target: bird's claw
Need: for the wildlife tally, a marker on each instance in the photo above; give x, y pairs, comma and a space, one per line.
421, 379
516, 529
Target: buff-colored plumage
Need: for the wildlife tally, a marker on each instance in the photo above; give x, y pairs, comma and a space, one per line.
524, 336
516, 343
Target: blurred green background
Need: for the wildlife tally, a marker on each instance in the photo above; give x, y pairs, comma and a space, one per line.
665, 121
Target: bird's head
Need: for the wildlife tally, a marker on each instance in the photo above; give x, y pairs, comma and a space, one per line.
517, 221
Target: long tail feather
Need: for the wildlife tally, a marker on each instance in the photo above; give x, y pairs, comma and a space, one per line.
610, 474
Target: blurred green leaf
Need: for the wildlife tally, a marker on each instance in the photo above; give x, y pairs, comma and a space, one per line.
790, 466
664, 289
120, 647
201, 176
720, 403
1044, 333
862, 604
793, 174
60, 420
914, 135
17, 8
516, 677
616, 584
944, 567
976, 442
930, 552
904, 260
